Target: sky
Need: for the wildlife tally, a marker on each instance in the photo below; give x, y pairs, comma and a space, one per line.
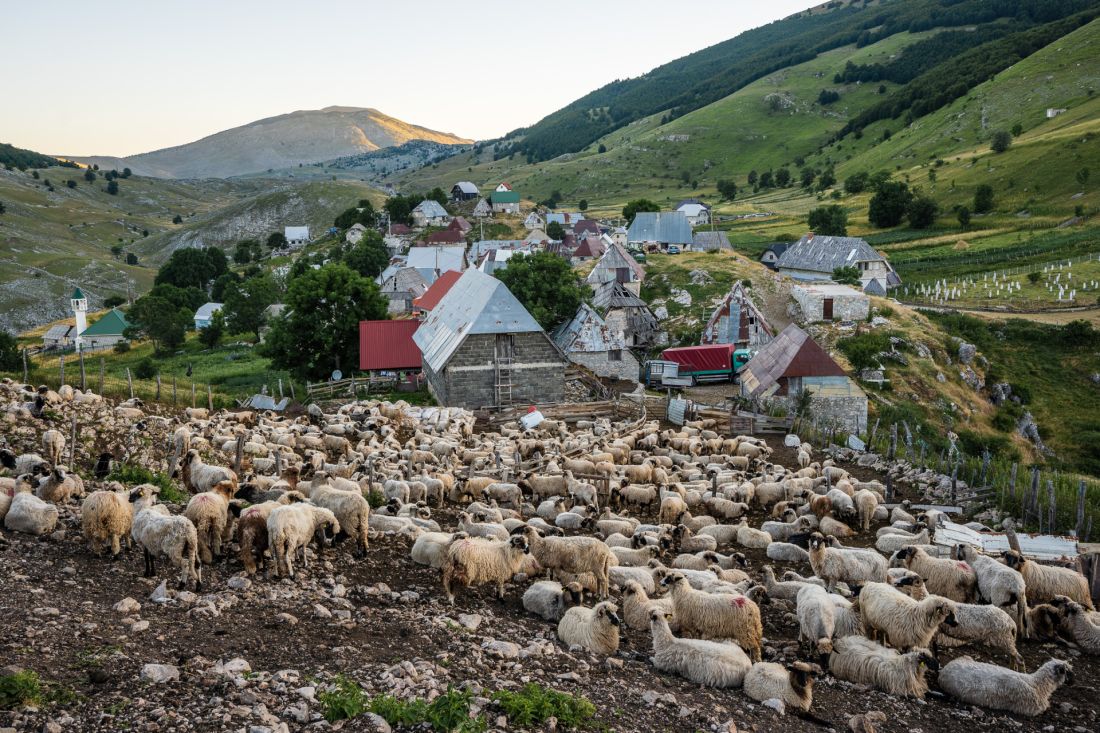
130, 76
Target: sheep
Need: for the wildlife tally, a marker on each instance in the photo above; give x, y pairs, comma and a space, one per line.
816, 618
550, 508
209, 512
891, 543
998, 584
687, 541
834, 527
724, 508
429, 547
505, 494
199, 477
550, 600
252, 529
573, 519
900, 513
573, 555
475, 561
716, 616
289, 529
636, 496
619, 576
709, 663
1043, 582
671, 508
786, 552
637, 606
905, 622
106, 516
952, 579
833, 564
29, 514
1085, 631
53, 445
59, 486
594, 629
481, 529
1044, 621
752, 538
161, 534
394, 489
793, 684
635, 558
351, 510
991, 686
30, 463
860, 660
866, 502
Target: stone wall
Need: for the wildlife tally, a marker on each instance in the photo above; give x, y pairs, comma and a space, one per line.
844, 413
600, 363
469, 379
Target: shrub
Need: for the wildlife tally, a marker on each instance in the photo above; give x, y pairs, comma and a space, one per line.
122, 347
345, 700
20, 689
375, 498
145, 369
533, 705
863, 349
131, 474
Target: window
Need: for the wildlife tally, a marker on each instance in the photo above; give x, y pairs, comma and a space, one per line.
615, 355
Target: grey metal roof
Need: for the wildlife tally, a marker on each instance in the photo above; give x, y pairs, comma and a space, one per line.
433, 261
407, 280
466, 187
706, 241
430, 208
793, 347
206, 311
481, 246
614, 258
874, 287
825, 254
477, 303
666, 227
586, 332
58, 332
613, 294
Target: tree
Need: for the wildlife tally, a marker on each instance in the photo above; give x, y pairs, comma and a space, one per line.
555, 231
211, 336
1083, 176
276, 240
863, 349
177, 219
889, 204
806, 177
438, 195
192, 267
827, 96
131, 258
70, 183
766, 180
602, 148
369, 256
321, 329
583, 204
1001, 141
113, 301
400, 208
1017, 130
158, 320
830, 221
116, 251
1033, 277
89, 175
363, 214
126, 173
752, 178
637, 205
983, 199
826, 179
921, 212
846, 275
245, 303
782, 177
963, 215
727, 189
547, 286
112, 187
856, 183
242, 253
221, 284
10, 360
190, 298
2, 207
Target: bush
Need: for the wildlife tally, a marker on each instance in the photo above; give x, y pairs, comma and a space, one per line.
533, 705
122, 347
20, 689
863, 349
1001, 142
145, 369
131, 474
345, 700
975, 444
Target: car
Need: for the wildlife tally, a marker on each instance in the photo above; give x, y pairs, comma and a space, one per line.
639, 257
673, 249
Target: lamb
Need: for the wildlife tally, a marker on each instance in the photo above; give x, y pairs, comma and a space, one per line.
637, 606
252, 529
998, 584
289, 530
833, 564
900, 513
475, 561
550, 600
866, 503
161, 534
1086, 634
816, 618
858, 659
786, 552
594, 629
59, 485
793, 684
1043, 582
481, 529
891, 543
351, 510
905, 622
709, 663
106, 516
53, 445
991, 686
635, 558
199, 477
209, 512
834, 527
29, 514
716, 616
573, 555
952, 579
573, 519
429, 547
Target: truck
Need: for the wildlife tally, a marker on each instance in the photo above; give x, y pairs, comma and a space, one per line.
687, 365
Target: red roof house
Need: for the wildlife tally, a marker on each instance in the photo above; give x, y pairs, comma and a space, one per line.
435, 293
446, 236
388, 345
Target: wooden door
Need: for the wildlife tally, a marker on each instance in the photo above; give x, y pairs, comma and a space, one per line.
827, 309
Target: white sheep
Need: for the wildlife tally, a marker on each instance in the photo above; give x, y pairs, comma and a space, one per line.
716, 616
710, 663
637, 606
252, 529
907, 623
209, 512
351, 510
1085, 632
475, 561
953, 579
833, 564
816, 618
786, 552
860, 660
998, 584
199, 476
550, 600
161, 534
619, 577
1043, 582
29, 514
891, 543
573, 555
289, 530
866, 503
107, 516
594, 629
429, 548
991, 686
53, 445
793, 684
58, 486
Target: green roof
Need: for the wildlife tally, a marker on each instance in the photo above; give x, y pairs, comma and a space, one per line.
505, 197
78, 294
112, 324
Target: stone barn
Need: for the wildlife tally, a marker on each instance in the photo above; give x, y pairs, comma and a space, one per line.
830, 302
587, 340
737, 321
481, 348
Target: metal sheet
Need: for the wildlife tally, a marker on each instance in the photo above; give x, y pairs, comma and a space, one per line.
676, 410
1039, 547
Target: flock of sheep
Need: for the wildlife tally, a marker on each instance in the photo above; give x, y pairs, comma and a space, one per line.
558, 511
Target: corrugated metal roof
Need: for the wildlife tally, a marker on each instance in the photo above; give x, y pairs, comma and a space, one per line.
431, 209
1040, 547
434, 261
665, 227
58, 332
614, 258
406, 280
112, 324
466, 187
874, 287
477, 303
586, 332
206, 311
790, 354
706, 241
480, 247
818, 253
388, 345
504, 197
293, 233
439, 288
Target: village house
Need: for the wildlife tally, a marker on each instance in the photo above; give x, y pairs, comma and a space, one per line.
534, 221
708, 241
355, 233
628, 316
460, 224
423, 305
824, 301
586, 340
205, 314
58, 337
270, 313
388, 346
497, 259
464, 191
505, 202
104, 333
617, 266
696, 211
793, 363
397, 238
590, 248
446, 236
480, 247
816, 257
587, 226
481, 348
658, 229
401, 288
431, 262
737, 321
621, 236
429, 213
483, 210
296, 237
567, 219
773, 253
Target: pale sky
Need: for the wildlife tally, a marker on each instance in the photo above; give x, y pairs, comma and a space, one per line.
129, 76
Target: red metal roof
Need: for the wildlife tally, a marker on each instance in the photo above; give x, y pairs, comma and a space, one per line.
701, 358
439, 288
388, 345
446, 236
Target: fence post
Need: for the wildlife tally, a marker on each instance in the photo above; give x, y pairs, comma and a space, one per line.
173, 389
130, 381
72, 444
954, 483
292, 390
192, 394
1052, 507
158, 387
871, 438
62, 361
1033, 497
83, 376
1080, 526
1012, 482
280, 388
209, 398
985, 466
102, 368
26, 372
239, 456
279, 463
893, 442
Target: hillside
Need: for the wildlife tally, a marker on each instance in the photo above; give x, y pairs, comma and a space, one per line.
290, 140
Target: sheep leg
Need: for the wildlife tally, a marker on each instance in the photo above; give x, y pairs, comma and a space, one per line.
115, 549
150, 570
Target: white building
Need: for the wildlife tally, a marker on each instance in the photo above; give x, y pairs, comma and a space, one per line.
205, 314
296, 236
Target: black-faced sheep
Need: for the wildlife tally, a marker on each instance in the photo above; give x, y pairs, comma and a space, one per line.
710, 663
199, 477
953, 579
573, 555
858, 659
991, 686
550, 600
840, 564
59, 486
593, 629
1086, 633
475, 561
1043, 582
793, 684
998, 584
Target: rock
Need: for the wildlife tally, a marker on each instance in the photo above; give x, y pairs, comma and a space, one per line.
239, 582
681, 297
186, 597
501, 649
469, 621
307, 693
138, 626
568, 677
865, 723
373, 723
855, 443
160, 595
967, 352
127, 605
234, 666
160, 673
52, 726
320, 611
940, 378
650, 697
286, 619
775, 704
791, 440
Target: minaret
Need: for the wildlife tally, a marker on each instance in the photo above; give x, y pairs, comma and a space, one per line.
80, 310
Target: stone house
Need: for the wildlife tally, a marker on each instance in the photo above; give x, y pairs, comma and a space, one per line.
534, 221
773, 253
463, 191
707, 241
616, 265
59, 336
505, 202
355, 233
816, 257
697, 213
586, 340
403, 287
793, 363
830, 302
481, 348
429, 213
627, 315
738, 321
